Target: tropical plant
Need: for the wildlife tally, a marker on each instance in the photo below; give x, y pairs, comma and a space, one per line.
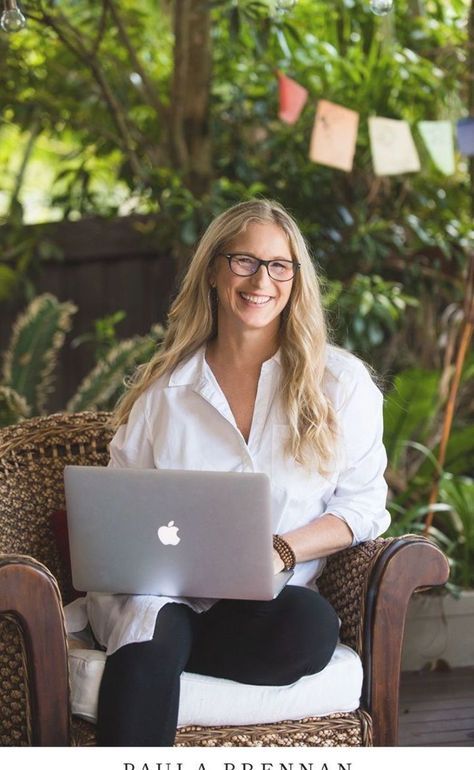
101, 388
366, 311
457, 492
31, 358
412, 419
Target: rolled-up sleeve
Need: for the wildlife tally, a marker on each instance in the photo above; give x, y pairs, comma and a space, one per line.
131, 446
360, 495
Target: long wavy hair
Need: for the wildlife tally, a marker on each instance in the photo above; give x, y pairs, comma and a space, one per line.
304, 336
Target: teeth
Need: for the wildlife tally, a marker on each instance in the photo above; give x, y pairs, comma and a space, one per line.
255, 300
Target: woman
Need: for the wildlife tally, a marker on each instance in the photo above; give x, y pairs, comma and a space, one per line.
245, 380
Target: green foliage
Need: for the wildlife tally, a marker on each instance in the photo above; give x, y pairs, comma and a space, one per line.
366, 311
458, 494
103, 336
103, 386
409, 65
31, 358
413, 412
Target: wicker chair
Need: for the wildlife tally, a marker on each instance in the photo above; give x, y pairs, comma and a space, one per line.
369, 586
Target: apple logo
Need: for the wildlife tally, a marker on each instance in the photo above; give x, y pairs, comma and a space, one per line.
169, 534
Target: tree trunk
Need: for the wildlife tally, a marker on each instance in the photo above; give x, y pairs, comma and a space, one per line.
190, 138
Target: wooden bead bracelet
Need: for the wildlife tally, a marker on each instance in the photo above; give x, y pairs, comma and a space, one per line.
284, 551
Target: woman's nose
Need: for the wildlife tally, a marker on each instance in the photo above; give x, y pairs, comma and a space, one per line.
262, 276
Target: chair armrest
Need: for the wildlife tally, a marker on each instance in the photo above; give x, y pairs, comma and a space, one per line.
370, 587
29, 595
405, 565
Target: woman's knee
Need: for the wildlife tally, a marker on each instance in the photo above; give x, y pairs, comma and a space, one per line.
311, 631
306, 607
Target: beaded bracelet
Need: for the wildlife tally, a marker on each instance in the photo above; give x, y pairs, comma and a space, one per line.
284, 551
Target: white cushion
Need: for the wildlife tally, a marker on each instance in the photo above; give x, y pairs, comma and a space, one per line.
205, 700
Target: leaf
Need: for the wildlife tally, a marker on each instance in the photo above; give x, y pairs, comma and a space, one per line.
7, 281
409, 411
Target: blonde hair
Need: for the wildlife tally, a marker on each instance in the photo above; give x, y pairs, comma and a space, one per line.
303, 335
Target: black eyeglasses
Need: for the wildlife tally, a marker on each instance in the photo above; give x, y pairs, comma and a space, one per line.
246, 264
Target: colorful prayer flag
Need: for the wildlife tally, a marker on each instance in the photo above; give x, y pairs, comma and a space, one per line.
393, 148
334, 136
292, 98
438, 138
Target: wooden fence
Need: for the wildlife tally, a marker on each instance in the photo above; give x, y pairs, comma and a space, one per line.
107, 265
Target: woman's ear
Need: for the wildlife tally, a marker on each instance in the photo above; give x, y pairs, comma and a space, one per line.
212, 277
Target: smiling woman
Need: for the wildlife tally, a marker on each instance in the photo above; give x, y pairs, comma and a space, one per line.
253, 281
245, 381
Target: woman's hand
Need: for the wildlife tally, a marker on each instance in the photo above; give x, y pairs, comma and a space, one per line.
278, 564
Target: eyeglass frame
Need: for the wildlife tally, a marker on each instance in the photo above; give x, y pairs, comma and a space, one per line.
265, 262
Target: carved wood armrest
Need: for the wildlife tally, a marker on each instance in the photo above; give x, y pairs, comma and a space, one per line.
405, 565
29, 593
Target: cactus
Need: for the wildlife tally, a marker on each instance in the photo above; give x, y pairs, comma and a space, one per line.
12, 406
28, 372
101, 388
37, 337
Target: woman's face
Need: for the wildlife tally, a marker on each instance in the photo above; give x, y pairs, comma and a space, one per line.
254, 301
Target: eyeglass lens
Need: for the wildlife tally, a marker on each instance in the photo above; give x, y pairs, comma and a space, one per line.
279, 269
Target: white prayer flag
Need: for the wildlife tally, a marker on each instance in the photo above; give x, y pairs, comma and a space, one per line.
393, 148
438, 138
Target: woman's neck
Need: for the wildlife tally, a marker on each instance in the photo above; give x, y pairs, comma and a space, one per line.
243, 353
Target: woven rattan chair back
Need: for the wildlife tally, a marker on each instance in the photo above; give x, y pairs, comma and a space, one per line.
33, 454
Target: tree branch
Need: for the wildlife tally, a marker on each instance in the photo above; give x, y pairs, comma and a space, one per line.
35, 130
65, 32
148, 86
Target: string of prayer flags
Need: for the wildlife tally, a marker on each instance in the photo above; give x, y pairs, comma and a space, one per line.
393, 148
466, 136
438, 138
292, 98
334, 136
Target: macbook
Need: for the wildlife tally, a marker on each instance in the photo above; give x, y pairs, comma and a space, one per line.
171, 532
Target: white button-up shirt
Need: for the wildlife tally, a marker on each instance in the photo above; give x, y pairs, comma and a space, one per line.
183, 421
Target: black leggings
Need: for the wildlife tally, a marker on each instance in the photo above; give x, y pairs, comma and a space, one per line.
255, 642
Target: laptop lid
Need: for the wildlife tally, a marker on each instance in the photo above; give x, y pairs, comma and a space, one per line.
171, 532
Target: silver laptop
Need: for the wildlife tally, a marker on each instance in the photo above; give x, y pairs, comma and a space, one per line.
171, 532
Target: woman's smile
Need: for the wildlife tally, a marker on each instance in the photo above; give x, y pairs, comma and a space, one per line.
257, 300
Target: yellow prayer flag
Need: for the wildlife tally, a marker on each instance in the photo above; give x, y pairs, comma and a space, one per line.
334, 136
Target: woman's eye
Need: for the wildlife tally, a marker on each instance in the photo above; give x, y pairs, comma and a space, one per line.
245, 260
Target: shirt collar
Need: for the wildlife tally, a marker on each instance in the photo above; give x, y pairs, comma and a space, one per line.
192, 370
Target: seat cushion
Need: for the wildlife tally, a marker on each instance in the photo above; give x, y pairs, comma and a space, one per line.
209, 701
